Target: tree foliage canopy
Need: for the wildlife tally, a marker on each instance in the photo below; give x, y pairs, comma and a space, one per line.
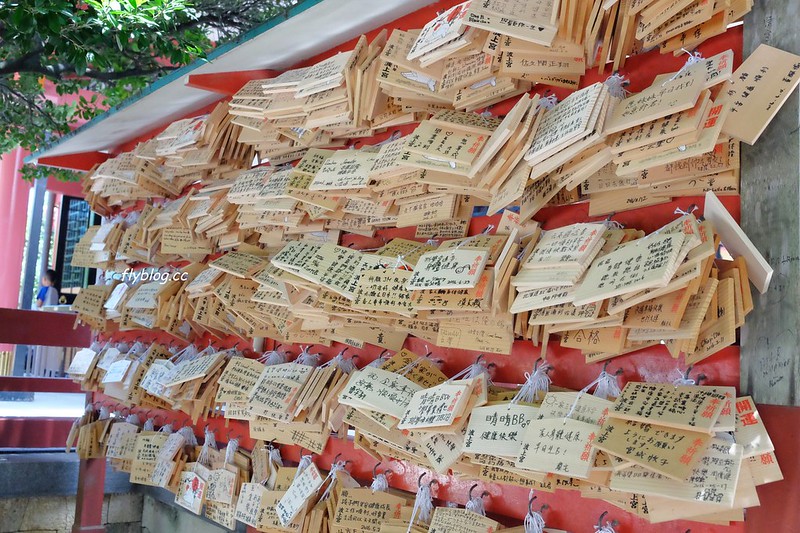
111, 48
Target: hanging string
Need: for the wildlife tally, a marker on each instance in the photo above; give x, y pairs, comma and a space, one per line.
187, 354
336, 466
483, 83
134, 419
486, 114
345, 365
608, 527
534, 522
393, 137
307, 358
149, 424
467, 240
305, 462
166, 428
475, 503
535, 383
475, 369
683, 380
612, 224
105, 414
607, 385
546, 102
143, 354
230, 450
423, 503
400, 263
233, 352
210, 442
692, 208
410, 366
188, 436
378, 361
273, 357
380, 482
352, 245
606, 379
694, 57
275, 456
617, 84
135, 350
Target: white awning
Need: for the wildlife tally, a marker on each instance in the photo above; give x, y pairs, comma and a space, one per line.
312, 27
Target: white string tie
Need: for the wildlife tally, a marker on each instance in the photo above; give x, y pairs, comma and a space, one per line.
536, 383
423, 506
616, 84
694, 58
547, 102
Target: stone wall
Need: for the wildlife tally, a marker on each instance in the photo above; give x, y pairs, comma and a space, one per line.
122, 513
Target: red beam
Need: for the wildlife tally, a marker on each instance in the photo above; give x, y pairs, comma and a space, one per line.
67, 188
20, 384
227, 83
80, 161
41, 328
34, 432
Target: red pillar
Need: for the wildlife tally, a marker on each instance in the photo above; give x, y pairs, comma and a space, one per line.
13, 222
89, 501
15, 245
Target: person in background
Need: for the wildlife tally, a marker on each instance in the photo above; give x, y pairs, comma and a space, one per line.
48, 361
48, 294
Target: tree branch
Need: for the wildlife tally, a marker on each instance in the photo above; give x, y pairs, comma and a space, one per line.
138, 71
32, 106
14, 65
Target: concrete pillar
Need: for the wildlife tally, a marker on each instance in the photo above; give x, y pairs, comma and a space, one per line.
770, 360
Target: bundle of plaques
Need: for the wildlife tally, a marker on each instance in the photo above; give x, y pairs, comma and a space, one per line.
693, 452
603, 290
97, 247
627, 291
290, 402
676, 137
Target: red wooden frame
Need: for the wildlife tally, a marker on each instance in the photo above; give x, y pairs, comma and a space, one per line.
21, 384
227, 83
80, 161
41, 328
